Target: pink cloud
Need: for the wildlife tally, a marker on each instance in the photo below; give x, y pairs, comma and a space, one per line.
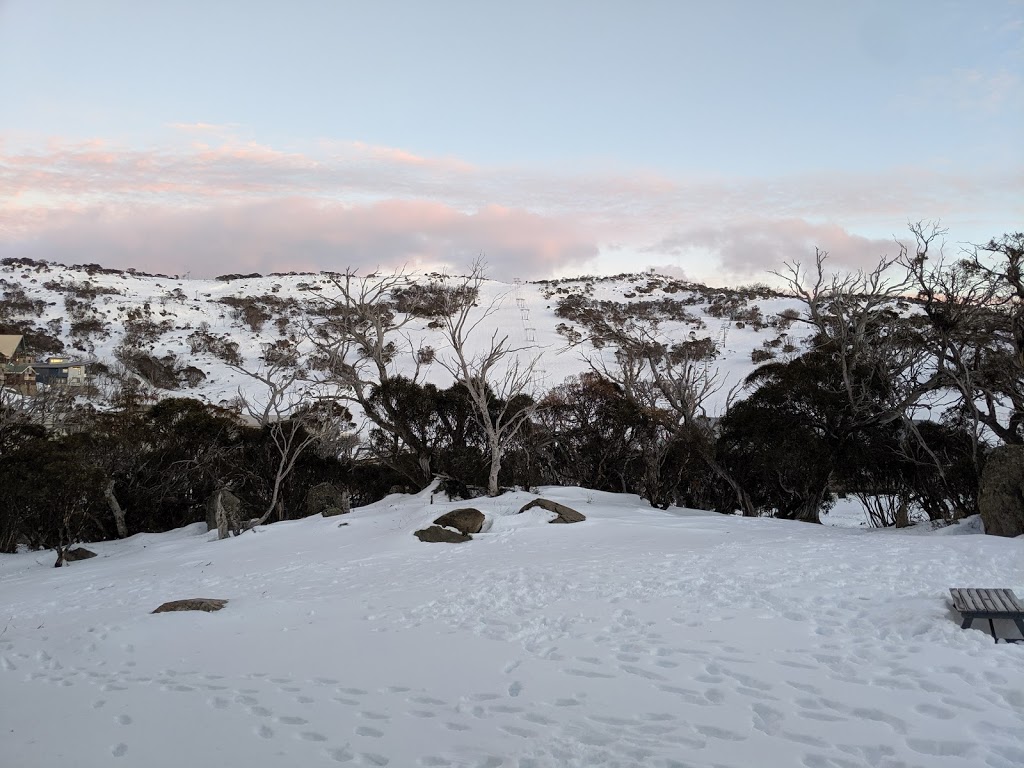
232, 200
298, 234
750, 249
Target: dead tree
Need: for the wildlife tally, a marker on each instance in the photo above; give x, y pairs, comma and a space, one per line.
498, 379
974, 308
295, 421
673, 389
886, 358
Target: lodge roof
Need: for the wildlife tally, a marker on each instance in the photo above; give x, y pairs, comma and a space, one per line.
9, 344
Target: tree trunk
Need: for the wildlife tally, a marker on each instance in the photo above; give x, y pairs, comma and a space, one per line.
903, 514
278, 480
492, 479
115, 507
809, 510
223, 525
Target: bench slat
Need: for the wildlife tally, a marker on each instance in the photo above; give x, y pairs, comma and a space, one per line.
987, 601
1013, 601
974, 601
998, 598
959, 601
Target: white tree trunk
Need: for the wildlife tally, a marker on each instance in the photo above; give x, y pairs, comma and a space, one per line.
115, 507
492, 479
223, 524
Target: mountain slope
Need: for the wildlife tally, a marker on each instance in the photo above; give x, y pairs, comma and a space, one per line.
94, 312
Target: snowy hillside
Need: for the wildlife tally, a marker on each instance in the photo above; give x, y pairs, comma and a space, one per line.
635, 638
91, 311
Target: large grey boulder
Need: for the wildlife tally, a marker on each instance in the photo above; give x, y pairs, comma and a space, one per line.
1001, 502
325, 499
207, 604
465, 521
437, 534
565, 514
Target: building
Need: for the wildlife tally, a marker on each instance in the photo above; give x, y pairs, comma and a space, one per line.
17, 370
61, 371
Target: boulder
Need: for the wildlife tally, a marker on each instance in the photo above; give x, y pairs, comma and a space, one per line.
436, 533
325, 499
71, 555
565, 514
1001, 501
465, 521
207, 604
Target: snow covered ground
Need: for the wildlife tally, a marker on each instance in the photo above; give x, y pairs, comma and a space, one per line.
636, 638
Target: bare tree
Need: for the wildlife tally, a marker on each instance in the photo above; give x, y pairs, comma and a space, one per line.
889, 361
498, 379
673, 388
974, 306
295, 421
358, 334
884, 368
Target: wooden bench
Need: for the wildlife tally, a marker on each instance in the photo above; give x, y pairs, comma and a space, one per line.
988, 604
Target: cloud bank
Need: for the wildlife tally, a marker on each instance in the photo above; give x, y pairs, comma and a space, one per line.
211, 203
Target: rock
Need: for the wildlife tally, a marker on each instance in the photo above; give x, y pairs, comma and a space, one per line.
465, 521
1001, 501
78, 553
207, 604
71, 555
436, 533
325, 499
565, 514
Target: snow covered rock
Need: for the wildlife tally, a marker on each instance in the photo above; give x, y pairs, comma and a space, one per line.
565, 514
436, 533
1001, 502
207, 604
465, 521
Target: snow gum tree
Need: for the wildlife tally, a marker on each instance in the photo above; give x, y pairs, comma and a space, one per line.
498, 377
359, 332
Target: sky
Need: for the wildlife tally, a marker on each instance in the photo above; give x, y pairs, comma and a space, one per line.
715, 140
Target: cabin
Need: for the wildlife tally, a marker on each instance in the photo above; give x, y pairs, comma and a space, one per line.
17, 370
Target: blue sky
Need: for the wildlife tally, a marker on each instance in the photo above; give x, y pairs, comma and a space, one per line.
558, 137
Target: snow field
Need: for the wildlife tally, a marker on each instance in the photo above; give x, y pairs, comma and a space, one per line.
636, 638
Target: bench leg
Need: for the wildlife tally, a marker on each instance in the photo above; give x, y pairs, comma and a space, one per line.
966, 622
992, 627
